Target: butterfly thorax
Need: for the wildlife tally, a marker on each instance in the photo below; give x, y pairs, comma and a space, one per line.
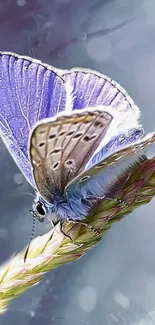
64, 206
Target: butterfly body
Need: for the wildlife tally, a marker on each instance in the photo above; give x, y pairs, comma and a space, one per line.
66, 207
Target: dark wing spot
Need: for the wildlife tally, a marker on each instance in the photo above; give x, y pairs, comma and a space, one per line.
69, 162
78, 135
56, 165
100, 165
70, 133
84, 178
52, 136
41, 144
98, 124
62, 133
87, 138
55, 151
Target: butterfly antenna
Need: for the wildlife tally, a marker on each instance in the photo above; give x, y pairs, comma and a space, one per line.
6, 196
32, 234
31, 49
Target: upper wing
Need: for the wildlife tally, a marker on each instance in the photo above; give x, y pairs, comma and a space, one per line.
29, 91
92, 88
60, 148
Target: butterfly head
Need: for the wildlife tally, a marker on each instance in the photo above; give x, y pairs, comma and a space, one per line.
41, 211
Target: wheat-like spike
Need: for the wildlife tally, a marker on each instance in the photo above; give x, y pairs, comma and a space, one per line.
136, 187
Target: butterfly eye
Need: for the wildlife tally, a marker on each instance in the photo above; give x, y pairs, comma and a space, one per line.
40, 209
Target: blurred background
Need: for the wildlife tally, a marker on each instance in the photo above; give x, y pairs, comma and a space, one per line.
115, 282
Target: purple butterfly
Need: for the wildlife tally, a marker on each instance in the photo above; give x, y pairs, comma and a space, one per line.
71, 133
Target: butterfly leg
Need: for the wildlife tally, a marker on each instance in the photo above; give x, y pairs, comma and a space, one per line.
64, 233
126, 205
107, 198
96, 231
120, 201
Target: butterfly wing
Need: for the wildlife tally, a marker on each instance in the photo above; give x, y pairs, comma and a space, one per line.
29, 91
61, 147
97, 180
116, 144
90, 88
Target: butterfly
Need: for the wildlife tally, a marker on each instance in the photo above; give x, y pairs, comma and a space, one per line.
71, 133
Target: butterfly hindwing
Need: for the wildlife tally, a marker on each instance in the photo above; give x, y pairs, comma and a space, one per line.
61, 148
98, 178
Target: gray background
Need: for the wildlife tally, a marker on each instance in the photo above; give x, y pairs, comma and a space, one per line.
115, 282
